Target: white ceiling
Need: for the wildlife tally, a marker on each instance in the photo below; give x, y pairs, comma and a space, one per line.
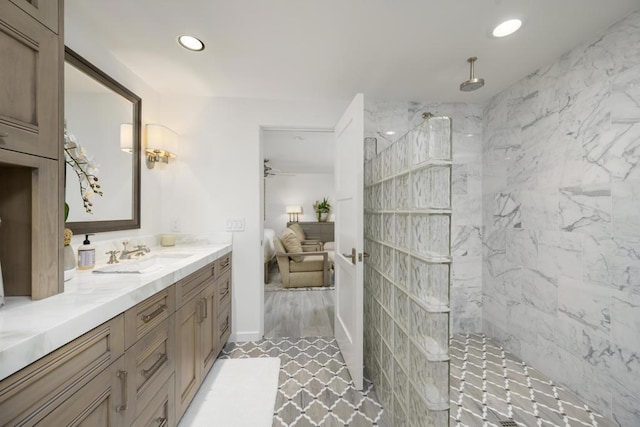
296, 152
331, 49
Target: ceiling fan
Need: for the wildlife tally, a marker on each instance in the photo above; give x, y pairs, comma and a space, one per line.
271, 171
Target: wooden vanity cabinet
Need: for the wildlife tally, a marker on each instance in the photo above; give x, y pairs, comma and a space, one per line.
149, 365
29, 81
188, 372
198, 328
31, 159
161, 411
141, 368
195, 327
47, 12
100, 403
63, 376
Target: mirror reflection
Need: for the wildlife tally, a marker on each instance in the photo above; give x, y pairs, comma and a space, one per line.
102, 118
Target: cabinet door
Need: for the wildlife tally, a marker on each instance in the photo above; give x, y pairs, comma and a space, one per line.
188, 376
208, 333
47, 11
29, 84
100, 403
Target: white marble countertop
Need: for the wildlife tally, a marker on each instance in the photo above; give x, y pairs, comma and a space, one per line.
31, 329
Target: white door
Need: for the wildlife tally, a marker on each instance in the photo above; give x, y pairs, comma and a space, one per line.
349, 237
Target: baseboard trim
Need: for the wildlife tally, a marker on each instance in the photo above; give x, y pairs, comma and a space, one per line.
245, 336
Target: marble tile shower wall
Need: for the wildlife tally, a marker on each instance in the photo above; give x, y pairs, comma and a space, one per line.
561, 207
466, 219
407, 219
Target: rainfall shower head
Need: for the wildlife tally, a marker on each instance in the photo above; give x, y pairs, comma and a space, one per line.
473, 83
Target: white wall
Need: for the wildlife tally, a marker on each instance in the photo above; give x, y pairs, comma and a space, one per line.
299, 189
218, 175
78, 36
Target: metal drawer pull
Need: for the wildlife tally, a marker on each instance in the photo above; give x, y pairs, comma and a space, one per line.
162, 359
123, 381
206, 308
199, 314
162, 422
149, 317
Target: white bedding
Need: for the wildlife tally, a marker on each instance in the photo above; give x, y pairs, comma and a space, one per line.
269, 247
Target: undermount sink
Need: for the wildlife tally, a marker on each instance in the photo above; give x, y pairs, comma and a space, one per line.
143, 265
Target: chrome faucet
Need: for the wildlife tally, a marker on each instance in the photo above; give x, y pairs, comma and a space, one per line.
140, 250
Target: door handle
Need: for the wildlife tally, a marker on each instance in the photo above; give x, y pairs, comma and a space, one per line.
352, 255
363, 255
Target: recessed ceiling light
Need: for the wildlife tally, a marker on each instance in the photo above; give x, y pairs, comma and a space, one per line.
191, 43
507, 28
390, 132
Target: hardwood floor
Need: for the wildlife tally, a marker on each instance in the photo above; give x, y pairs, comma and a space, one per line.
299, 313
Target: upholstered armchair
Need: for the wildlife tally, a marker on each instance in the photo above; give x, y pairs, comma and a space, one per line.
307, 244
300, 268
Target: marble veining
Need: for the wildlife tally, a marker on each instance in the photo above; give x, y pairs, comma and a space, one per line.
32, 329
561, 236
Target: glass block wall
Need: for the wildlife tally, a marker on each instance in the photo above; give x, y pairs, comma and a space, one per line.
407, 218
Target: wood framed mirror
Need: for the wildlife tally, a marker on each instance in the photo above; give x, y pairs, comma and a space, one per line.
104, 118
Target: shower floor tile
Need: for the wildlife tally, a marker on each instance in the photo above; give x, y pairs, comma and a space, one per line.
489, 385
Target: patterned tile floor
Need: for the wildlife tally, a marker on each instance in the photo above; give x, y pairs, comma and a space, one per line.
314, 388
489, 385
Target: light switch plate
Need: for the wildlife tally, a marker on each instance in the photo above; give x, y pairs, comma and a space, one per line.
235, 224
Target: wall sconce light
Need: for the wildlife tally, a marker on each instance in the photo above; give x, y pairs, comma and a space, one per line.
126, 137
162, 144
293, 212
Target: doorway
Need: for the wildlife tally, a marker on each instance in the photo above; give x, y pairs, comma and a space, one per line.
298, 166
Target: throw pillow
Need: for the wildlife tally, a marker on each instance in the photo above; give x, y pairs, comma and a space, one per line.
291, 243
299, 232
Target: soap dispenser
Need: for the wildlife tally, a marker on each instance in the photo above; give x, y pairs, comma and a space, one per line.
86, 254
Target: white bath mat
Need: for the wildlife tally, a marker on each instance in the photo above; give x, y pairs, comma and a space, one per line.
238, 393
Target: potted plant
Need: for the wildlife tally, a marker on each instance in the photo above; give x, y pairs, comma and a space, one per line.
322, 209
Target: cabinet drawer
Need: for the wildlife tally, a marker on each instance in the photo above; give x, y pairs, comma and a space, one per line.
160, 412
191, 285
149, 363
29, 84
222, 292
100, 403
142, 318
33, 392
224, 327
223, 264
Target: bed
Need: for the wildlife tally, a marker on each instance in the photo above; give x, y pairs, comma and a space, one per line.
269, 251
